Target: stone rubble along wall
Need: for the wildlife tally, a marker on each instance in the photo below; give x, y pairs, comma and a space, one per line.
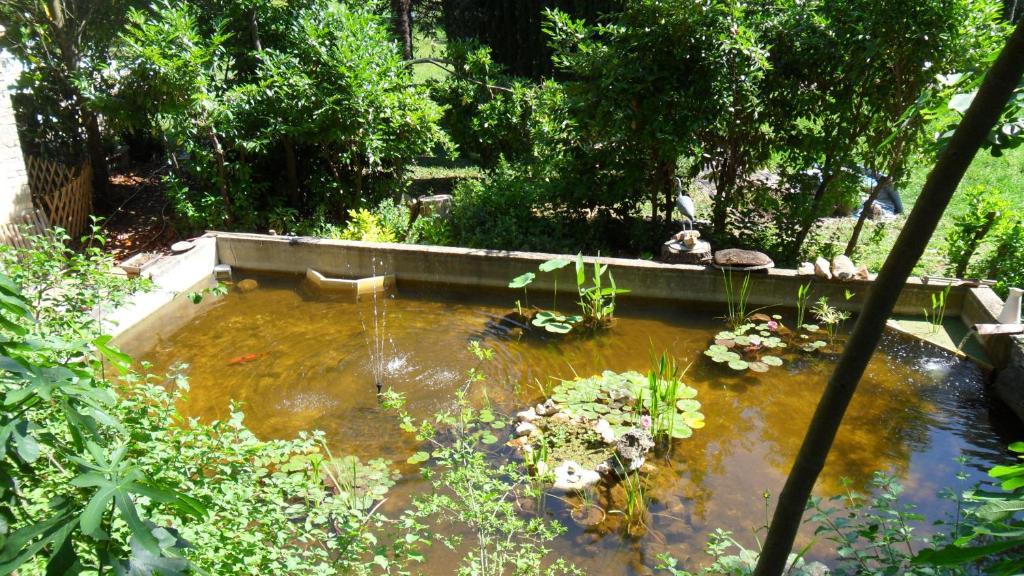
15, 197
1009, 384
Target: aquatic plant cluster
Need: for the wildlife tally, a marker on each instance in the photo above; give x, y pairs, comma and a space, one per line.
758, 342
596, 300
624, 399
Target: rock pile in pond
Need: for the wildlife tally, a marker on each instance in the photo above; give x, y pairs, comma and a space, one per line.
595, 443
601, 427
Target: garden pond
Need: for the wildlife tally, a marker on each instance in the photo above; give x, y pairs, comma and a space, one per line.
297, 359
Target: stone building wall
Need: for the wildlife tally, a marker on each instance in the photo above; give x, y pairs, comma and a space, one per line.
15, 197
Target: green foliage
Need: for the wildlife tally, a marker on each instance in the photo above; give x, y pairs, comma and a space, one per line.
71, 488
803, 295
487, 113
735, 300
993, 533
985, 210
498, 211
62, 48
641, 88
596, 300
830, 317
69, 289
368, 227
470, 492
97, 477
324, 95
937, 314
1005, 263
623, 399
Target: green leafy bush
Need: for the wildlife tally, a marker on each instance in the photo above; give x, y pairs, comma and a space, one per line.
487, 113
66, 287
985, 210
100, 475
1005, 263
322, 111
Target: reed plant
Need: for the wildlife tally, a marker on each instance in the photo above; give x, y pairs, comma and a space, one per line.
736, 300
803, 295
937, 315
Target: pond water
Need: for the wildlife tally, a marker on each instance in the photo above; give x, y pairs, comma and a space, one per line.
297, 360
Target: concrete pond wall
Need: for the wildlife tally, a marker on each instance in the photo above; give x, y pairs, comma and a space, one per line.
161, 312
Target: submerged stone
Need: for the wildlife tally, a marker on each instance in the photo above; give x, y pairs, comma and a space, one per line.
570, 476
631, 449
527, 415
525, 429
548, 408
248, 285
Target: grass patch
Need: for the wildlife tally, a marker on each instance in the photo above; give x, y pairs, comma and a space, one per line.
1003, 175
427, 46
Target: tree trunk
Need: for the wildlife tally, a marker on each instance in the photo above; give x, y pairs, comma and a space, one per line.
812, 217
979, 235
97, 154
864, 211
222, 171
663, 181
938, 189
401, 21
292, 173
254, 31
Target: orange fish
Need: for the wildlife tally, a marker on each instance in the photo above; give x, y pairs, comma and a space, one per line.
246, 358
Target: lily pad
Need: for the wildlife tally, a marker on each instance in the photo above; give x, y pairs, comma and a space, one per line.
771, 360
684, 392
522, 281
418, 457
553, 264
758, 367
685, 405
694, 420
738, 364
725, 342
558, 327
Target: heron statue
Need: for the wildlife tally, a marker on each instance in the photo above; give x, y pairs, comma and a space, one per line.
685, 204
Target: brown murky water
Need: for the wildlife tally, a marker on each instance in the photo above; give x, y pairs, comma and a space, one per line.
306, 363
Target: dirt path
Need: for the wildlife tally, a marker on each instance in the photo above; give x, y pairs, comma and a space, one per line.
137, 215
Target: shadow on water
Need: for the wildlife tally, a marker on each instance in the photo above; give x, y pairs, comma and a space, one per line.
915, 412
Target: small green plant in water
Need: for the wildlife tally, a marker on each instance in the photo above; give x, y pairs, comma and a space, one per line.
803, 295
522, 281
554, 265
751, 346
636, 503
597, 301
624, 399
830, 317
937, 315
736, 300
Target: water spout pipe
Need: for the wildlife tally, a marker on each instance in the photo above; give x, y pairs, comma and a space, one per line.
1011, 309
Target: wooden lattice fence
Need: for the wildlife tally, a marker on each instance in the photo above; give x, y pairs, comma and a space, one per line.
63, 192
16, 231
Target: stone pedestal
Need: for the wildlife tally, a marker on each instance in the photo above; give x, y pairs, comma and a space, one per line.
675, 252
